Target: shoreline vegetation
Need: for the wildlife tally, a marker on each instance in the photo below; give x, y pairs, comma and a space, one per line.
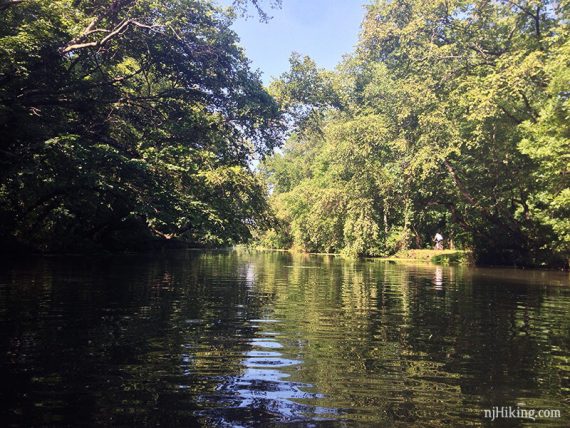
444, 257
134, 125
427, 256
448, 117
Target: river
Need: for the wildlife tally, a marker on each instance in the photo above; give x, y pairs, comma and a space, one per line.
237, 338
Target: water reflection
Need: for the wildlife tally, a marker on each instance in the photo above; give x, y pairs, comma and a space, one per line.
259, 339
263, 392
438, 278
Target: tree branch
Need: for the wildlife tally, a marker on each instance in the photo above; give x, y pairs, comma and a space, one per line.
522, 8
510, 115
459, 184
535, 16
493, 218
123, 26
529, 108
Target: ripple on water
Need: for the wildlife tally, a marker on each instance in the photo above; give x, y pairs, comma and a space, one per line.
261, 339
266, 343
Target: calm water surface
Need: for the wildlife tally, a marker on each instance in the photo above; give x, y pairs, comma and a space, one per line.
265, 339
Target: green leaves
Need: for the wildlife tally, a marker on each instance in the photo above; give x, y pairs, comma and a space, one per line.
123, 123
547, 142
450, 115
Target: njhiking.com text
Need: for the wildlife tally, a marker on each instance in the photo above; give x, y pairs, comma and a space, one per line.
509, 412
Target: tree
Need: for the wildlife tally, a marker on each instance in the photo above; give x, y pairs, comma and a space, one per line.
122, 121
449, 114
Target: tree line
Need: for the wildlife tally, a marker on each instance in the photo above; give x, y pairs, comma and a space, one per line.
124, 123
128, 123
449, 115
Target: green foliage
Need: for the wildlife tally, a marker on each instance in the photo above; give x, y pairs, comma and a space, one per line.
547, 142
123, 122
450, 116
452, 258
361, 230
304, 92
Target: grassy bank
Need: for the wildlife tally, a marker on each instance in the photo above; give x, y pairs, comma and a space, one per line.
444, 257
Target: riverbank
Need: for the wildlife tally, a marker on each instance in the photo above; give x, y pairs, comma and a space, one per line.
443, 257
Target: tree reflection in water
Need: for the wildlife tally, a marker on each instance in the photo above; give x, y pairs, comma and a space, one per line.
242, 339
262, 392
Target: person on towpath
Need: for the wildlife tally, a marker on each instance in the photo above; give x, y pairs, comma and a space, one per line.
438, 239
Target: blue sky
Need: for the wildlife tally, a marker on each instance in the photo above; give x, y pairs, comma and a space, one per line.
323, 29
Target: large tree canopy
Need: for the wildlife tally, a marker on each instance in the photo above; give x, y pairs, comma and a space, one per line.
450, 115
124, 120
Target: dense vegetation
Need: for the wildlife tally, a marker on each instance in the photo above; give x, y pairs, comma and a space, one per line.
123, 122
126, 122
449, 115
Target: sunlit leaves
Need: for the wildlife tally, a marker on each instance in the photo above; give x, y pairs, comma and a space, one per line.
450, 115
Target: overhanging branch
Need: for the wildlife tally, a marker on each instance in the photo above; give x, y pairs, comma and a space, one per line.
119, 29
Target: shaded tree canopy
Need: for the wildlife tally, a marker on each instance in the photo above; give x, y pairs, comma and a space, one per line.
123, 121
